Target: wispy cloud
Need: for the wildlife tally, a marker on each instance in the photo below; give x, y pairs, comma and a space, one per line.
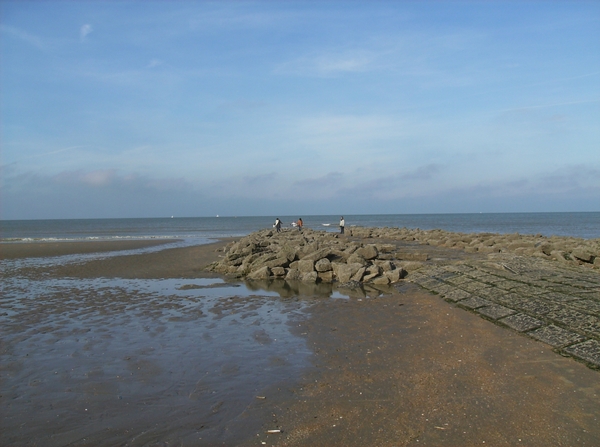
49, 153
405, 183
330, 63
154, 63
84, 31
551, 105
259, 180
329, 128
330, 180
570, 177
111, 180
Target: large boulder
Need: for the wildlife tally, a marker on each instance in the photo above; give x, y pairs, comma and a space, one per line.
261, 273
290, 253
346, 271
306, 265
325, 276
381, 280
368, 252
278, 271
583, 254
323, 265
358, 276
311, 277
395, 275
386, 266
278, 262
293, 275
372, 271
356, 258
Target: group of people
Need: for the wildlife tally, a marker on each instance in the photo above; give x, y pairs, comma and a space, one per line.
277, 224
299, 224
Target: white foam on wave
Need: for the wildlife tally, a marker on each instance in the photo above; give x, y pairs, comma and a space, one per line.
93, 238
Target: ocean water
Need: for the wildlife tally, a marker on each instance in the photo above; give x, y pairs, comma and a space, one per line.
198, 230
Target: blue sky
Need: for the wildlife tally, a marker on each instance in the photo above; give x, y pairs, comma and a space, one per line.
149, 109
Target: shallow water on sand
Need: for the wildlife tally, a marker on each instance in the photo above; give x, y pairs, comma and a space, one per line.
115, 361
105, 362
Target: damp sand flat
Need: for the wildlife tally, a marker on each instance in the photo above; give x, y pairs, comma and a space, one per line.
44, 249
94, 356
90, 359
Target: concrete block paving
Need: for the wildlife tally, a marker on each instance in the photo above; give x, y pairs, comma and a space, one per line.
554, 303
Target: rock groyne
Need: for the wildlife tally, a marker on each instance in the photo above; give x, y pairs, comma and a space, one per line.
379, 255
310, 256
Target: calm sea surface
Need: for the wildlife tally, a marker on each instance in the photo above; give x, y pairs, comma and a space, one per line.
202, 229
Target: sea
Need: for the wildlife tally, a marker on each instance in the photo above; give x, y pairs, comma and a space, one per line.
199, 230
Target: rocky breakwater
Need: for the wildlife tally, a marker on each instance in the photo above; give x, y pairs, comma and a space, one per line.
382, 255
566, 250
310, 256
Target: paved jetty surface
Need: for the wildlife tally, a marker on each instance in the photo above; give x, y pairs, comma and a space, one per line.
555, 303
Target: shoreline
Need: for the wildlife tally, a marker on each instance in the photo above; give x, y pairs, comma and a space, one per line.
170, 262
18, 250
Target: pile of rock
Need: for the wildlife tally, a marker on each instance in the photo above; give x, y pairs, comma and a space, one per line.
558, 248
373, 255
309, 256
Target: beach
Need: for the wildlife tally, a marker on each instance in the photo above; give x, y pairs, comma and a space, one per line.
140, 349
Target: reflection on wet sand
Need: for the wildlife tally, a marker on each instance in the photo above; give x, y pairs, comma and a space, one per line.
108, 361
288, 289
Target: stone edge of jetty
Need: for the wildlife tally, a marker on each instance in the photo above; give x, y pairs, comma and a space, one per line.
373, 255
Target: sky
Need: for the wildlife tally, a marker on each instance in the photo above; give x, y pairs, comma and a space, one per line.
149, 109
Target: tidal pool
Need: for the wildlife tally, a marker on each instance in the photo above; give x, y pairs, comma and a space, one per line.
137, 362
110, 361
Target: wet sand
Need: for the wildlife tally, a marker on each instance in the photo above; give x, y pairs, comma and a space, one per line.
411, 369
402, 368
16, 250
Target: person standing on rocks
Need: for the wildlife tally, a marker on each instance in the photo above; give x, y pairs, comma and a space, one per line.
299, 224
278, 225
342, 225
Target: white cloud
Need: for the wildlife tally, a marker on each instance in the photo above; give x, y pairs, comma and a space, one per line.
85, 30
98, 178
154, 63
